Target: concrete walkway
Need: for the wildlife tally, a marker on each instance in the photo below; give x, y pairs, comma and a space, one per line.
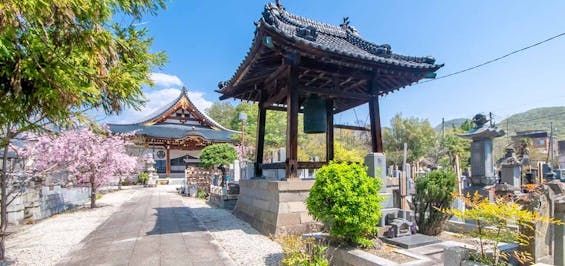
153, 228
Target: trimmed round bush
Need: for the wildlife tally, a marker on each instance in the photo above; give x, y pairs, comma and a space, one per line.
347, 201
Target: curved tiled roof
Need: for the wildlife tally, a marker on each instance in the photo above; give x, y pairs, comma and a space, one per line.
173, 131
342, 40
176, 131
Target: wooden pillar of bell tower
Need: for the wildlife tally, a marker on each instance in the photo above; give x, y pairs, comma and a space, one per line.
292, 123
376, 135
261, 118
329, 130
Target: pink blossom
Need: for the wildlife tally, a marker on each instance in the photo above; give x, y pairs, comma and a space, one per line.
86, 156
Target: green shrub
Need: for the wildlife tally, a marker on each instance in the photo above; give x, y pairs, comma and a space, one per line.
434, 192
218, 155
143, 176
347, 201
201, 194
303, 252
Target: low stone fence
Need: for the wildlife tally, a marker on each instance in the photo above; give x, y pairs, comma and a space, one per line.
37, 204
59, 199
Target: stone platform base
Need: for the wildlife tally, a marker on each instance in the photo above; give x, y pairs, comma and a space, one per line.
223, 201
276, 207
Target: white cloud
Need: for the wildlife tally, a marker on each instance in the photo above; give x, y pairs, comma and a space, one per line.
165, 80
156, 100
198, 99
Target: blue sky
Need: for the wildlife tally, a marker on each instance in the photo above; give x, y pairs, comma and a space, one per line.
206, 41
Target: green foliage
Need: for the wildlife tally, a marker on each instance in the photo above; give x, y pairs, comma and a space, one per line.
347, 148
466, 125
201, 194
495, 223
348, 154
303, 252
223, 113
217, 155
59, 57
143, 177
417, 133
454, 147
347, 201
434, 192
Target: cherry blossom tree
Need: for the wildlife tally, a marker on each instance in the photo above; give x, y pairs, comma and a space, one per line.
87, 157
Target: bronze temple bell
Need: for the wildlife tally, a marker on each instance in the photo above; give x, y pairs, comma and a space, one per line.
315, 115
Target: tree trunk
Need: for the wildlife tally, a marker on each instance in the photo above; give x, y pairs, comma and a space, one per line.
92, 193
4, 199
223, 169
120, 183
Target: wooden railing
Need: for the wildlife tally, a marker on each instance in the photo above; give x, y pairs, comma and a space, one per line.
301, 165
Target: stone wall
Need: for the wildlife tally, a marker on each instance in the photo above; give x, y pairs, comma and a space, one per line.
276, 207
56, 199
36, 204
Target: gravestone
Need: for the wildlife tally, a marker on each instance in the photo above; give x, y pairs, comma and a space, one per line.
376, 167
510, 169
482, 158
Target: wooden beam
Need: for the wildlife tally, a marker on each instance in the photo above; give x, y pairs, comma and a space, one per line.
301, 165
316, 65
292, 124
345, 82
352, 127
376, 134
280, 94
337, 94
261, 118
321, 75
329, 130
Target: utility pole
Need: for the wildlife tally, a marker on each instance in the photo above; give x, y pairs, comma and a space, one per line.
404, 182
242, 118
490, 118
551, 144
443, 128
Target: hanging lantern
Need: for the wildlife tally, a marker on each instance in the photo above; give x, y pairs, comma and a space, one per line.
314, 115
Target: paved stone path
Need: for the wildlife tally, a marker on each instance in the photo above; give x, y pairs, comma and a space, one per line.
153, 228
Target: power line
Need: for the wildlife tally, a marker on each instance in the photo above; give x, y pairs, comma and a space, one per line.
495, 59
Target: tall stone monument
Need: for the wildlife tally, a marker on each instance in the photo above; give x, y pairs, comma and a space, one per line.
482, 159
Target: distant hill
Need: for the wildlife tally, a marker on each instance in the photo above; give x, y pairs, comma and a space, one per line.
536, 119
457, 122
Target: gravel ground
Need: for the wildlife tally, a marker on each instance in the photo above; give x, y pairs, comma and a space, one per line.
244, 244
46, 242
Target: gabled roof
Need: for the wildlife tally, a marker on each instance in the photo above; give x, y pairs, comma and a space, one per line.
158, 124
